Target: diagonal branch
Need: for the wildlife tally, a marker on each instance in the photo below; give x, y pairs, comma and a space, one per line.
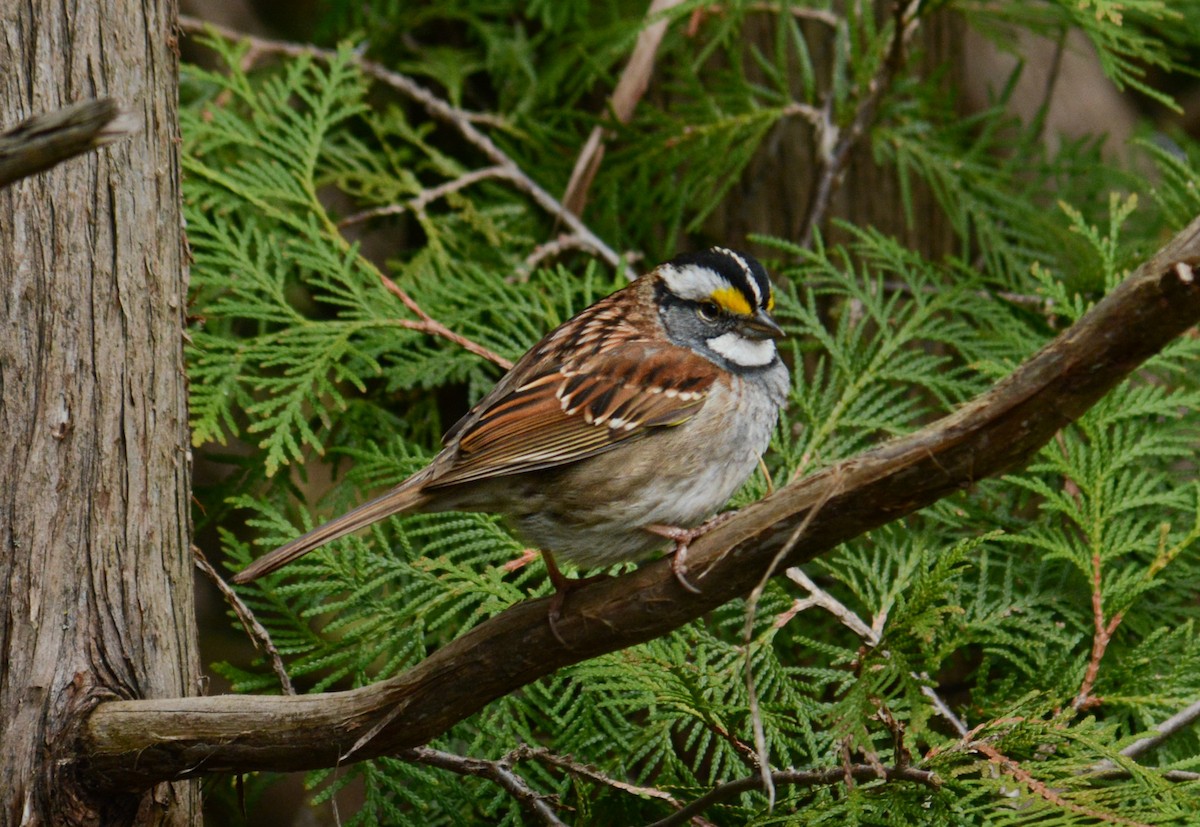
433, 327
461, 121
257, 633
630, 89
500, 772
131, 744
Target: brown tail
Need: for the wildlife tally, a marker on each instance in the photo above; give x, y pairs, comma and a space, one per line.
405, 497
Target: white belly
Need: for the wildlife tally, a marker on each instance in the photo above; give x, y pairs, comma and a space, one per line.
677, 477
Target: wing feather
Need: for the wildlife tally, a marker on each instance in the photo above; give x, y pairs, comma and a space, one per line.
568, 412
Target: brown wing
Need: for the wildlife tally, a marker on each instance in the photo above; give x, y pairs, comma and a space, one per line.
546, 413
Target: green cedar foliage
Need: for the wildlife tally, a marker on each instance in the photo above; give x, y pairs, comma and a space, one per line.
300, 357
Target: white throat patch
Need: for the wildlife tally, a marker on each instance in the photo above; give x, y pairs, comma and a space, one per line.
747, 353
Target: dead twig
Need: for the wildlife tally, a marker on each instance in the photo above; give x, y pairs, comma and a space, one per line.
551, 249
499, 772
819, 597
433, 327
801, 778
461, 121
629, 90
259, 636
1179, 721
872, 635
419, 202
760, 736
834, 144
586, 772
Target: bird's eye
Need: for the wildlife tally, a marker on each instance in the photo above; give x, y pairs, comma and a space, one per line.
708, 311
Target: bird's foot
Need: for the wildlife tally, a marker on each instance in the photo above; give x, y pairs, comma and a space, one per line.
683, 537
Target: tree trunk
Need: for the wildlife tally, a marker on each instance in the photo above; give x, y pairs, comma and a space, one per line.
95, 571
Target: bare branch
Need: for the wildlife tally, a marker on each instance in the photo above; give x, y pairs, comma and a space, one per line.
432, 326
1179, 721
835, 144
819, 597
423, 199
756, 724
462, 122
871, 635
629, 90
135, 743
545, 756
800, 778
942, 707
499, 772
259, 636
41, 142
551, 249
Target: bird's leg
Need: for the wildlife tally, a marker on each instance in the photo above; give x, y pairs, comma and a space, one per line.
683, 537
563, 586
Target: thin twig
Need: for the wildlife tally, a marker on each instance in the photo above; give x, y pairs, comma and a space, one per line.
760, 737
872, 635
461, 121
1101, 637
550, 249
834, 144
1180, 720
820, 597
423, 199
800, 778
943, 708
499, 772
589, 773
1040, 788
432, 326
630, 88
259, 636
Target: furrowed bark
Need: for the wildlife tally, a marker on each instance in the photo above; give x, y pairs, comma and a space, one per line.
95, 570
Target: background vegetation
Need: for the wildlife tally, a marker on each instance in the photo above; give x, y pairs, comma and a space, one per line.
1010, 639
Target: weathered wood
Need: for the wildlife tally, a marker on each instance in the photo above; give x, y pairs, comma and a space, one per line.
46, 140
135, 743
95, 574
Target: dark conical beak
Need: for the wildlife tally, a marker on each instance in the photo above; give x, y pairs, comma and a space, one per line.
761, 326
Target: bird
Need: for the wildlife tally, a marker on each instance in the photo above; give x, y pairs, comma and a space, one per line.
623, 429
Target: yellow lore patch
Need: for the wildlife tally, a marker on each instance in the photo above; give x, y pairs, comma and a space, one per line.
731, 300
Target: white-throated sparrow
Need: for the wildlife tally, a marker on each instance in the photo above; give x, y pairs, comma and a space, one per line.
636, 418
